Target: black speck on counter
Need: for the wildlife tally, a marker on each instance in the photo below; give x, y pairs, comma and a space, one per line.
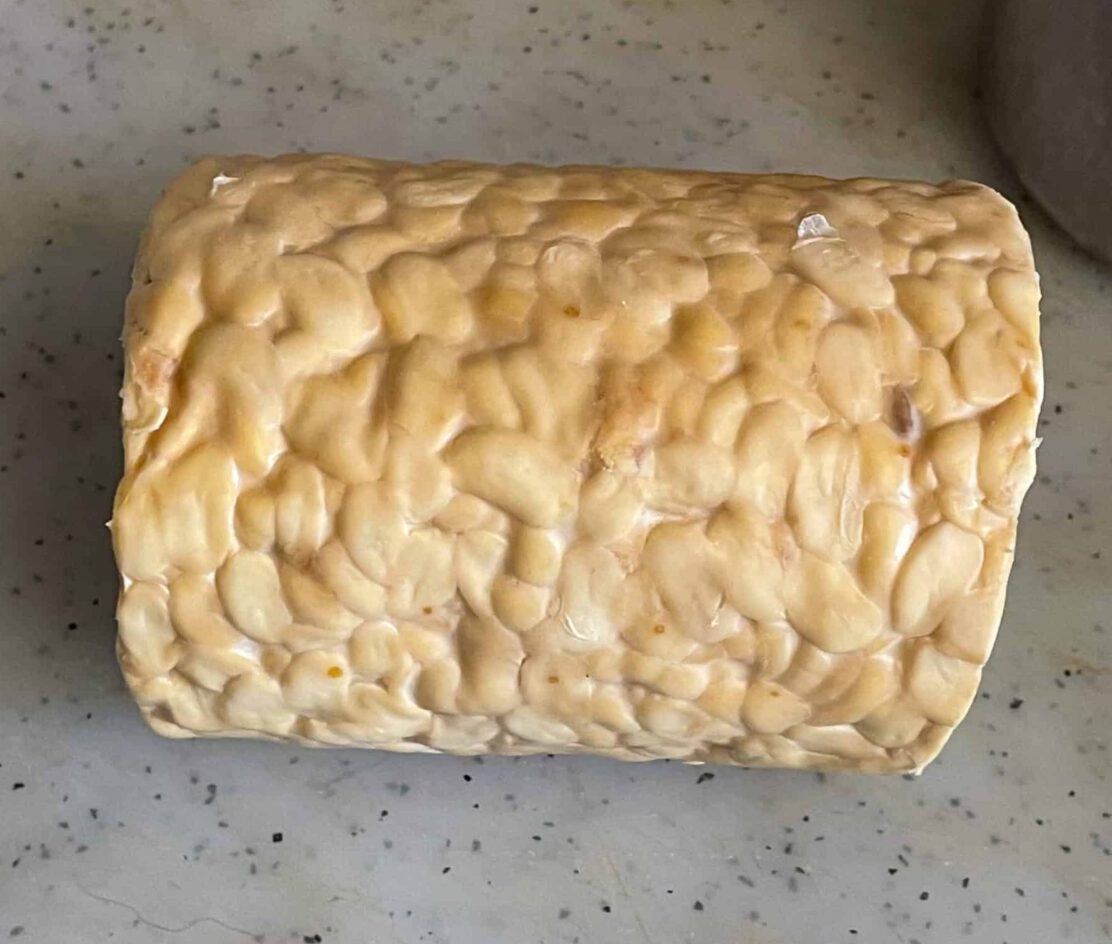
276, 837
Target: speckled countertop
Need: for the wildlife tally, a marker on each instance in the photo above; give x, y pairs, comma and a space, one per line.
109, 833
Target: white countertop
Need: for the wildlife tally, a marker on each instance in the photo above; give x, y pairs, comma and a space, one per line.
108, 833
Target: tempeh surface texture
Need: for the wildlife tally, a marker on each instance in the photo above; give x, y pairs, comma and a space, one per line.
484, 459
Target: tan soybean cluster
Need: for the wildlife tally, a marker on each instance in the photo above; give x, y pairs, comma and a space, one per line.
641, 463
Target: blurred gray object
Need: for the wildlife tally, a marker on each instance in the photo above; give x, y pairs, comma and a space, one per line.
1048, 93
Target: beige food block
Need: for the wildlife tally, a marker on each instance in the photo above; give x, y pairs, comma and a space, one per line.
641, 463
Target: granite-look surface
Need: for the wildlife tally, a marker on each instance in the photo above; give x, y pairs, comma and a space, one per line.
108, 833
